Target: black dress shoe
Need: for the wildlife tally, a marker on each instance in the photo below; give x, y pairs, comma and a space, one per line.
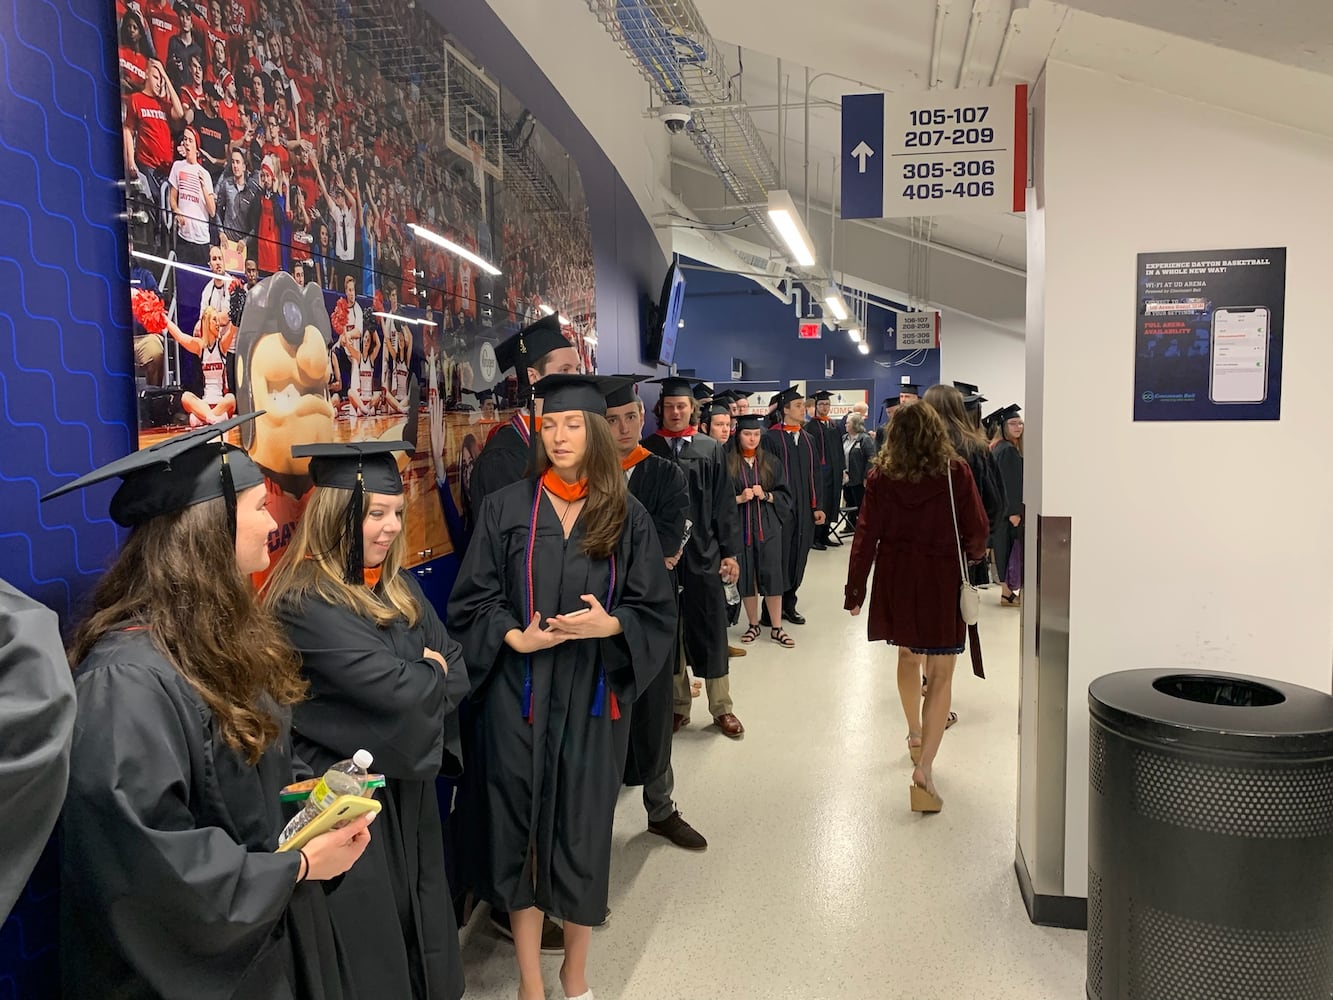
794, 616
680, 833
553, 935
819, 546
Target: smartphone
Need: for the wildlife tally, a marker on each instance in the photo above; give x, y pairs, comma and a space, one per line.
1239, 362
340, 812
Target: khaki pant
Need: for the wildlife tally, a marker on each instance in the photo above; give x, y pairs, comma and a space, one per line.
719, 694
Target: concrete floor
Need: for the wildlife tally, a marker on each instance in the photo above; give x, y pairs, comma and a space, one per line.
818, 882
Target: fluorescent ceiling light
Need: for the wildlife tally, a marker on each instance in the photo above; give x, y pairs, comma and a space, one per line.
782, 212
833, 299
863, 347
405, 319
454, 248
183, 267
855, 334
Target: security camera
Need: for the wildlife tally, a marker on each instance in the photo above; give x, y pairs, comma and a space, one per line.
675, 117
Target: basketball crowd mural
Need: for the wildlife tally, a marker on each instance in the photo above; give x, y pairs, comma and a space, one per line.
335, 216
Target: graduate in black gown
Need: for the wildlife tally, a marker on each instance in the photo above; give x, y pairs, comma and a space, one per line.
661, 487
826, 436
37, 719
553, 689
538, 349
795, 450
171, 883
710, 554
384, 675
764, 503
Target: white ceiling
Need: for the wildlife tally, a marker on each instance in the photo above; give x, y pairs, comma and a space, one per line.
859, 45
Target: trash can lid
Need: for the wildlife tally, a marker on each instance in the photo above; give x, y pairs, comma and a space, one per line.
1214, 710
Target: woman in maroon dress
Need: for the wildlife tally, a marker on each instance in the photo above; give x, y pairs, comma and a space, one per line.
906, 529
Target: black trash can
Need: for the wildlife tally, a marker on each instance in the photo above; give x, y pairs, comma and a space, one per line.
1210, 838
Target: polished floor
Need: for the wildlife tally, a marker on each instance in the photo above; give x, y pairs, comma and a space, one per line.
819, 883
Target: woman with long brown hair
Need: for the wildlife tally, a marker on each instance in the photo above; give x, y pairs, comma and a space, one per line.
763, 500
385, 676
171, 884
565, 614
907, 532
970, 443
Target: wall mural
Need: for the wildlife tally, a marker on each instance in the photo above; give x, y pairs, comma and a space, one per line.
335, 216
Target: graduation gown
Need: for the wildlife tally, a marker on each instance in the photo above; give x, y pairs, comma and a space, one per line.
371, 687
170, 884
715, 535
37, 720
796, 455
826, 441
542, 783
502, 461
763, 562
661, 487
1009, 461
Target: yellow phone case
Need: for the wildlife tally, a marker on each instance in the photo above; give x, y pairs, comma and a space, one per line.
340, 812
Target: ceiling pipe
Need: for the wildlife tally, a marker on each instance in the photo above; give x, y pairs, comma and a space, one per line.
782, 131
723, 255
1010, 29
941, 12
807, 142
969, 43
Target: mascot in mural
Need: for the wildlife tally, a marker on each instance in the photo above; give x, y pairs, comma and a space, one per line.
282, 368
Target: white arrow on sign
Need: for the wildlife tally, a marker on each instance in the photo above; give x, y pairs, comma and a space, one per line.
862, 152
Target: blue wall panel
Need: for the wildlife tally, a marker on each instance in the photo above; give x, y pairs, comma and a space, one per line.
728, 316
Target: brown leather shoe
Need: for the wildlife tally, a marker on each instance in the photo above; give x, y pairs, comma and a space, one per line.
678, 720
730, 725
736, 651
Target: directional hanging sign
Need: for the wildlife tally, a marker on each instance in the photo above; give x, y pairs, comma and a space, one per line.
934, 153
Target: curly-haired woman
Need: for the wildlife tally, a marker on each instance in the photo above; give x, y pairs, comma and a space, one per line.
906, 530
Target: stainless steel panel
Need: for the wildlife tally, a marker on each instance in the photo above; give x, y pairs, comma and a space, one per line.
1044, 844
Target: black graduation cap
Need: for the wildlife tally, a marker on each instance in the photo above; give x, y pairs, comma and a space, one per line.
726, 397
560, 393
822, 394
716, 409
786, 396
891, 401
362, 467
179, 472
909, 387
971, 394
1002, 415
673, 385
482, 394
702, 391
532, 343
749, 422
623, 395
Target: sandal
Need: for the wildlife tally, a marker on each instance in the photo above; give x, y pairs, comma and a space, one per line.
914, 748
782, 638
751, 634
951, 721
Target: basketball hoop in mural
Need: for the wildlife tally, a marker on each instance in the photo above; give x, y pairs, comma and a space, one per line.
478, 172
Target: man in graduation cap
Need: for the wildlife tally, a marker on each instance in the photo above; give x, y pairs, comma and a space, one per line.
740, 402
909, 393
485, 407
661, 487
537, 350
891, 403
710, 553
795, 449
828, 467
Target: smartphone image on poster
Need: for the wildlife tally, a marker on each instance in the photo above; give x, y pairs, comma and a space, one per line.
1238, 371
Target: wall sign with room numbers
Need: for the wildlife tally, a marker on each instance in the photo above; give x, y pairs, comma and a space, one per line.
918, 330
934, 153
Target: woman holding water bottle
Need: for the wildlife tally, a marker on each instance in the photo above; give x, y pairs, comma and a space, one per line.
384, 676
171, 886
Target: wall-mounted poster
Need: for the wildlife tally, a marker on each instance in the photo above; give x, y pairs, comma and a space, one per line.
335, 218
1208, 335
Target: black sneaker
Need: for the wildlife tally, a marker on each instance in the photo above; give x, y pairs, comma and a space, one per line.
553, 935
680, 833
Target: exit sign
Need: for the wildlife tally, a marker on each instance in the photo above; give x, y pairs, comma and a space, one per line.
811, 329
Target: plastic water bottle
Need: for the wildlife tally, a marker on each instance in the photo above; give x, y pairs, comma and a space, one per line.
732, 592
347, 777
